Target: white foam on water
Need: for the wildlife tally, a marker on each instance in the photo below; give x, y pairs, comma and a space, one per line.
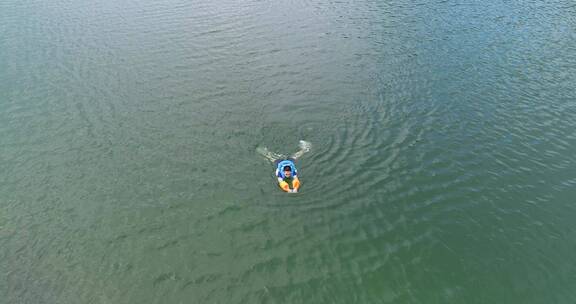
304, 146
271, 156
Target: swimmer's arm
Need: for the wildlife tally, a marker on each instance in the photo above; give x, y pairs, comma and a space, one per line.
284, 185
296, 183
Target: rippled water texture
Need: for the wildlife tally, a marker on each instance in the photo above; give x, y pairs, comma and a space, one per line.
442, 167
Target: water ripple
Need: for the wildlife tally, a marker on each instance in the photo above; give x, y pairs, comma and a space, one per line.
442, 155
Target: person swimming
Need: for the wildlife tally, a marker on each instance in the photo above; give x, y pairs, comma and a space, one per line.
286, 172
287, 175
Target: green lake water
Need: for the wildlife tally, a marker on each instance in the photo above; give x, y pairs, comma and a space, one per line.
442, 167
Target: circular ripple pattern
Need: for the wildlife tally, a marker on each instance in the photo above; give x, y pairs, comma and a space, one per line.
442, 169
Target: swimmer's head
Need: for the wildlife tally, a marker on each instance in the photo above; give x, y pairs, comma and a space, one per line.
287, 171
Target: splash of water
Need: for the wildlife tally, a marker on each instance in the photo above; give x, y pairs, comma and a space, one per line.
304, 146
271, 156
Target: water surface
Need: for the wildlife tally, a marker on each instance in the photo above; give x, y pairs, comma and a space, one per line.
442, 168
